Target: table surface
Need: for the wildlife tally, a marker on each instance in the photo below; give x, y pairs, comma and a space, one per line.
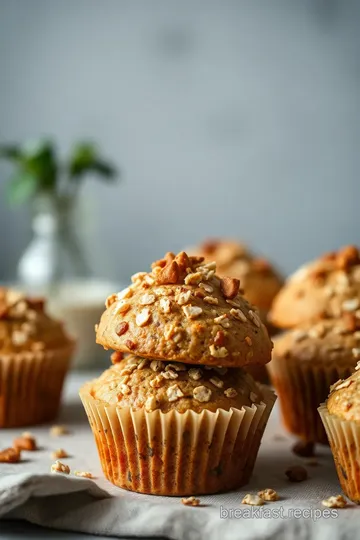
274, 457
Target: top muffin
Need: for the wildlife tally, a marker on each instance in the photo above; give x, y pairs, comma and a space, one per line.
325, 288
259, 280
25, 327
344, 399
182, 311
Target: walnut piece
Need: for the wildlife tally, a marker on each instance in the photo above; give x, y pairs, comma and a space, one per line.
83, 474
26, 442
57, 431
59, 454
169, 274
190, 501
253, 500
337, 501
202, 394
268, 495
229, 287
10, 455
59, 467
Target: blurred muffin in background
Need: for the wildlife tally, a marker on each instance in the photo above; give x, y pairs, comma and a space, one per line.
259, 280
35, 354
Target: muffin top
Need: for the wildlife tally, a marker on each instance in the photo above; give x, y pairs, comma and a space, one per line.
330, 340
24, 325
258, 278
344, 399
153, 384
326, 287
182, 311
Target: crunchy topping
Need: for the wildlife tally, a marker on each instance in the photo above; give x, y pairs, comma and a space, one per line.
340, 384
122, 307
122, 328
110, 300
143, 317
208, 288
238, 314
255, 318
124, 389
223, 320
130, 344
248, 340
59, 467
170, 374
192, 312
297, 473
229, 287
57, 431
83, 474
151, 404
253, 500
179, 366
347, 257
169, 274
157, 365
219, 339
202, 393
174, 392
156, 382
147, 299
125, 293
230, 392
211, 300
317, 332
220, 352
194, 278
59, 453
350, 305
337, 501
268, 495
217, 382
26, 442
183, 297
10, 455
190, 501
220, 370
165, 305
195, 374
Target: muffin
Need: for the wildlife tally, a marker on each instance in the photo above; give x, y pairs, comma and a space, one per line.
35, 354
178, 415
324, 288
306, 362
341, 417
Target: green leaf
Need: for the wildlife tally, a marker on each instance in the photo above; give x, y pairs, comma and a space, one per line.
105, 170
22, 187
38, 158
10, 151
85, 158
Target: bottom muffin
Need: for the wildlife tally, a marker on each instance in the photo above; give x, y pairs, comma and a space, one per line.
341, 418
173, 429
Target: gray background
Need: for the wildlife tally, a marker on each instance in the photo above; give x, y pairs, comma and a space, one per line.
236, 118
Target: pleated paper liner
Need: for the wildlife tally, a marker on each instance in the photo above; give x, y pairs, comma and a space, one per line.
177, 453
31, 385
344, 439
301, 386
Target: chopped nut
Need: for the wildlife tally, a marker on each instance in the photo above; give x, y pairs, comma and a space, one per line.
147, 299
143, 317
194, 278
122, 328
255, 318
130, 344
165, 305
110, 300
337, 501
248, 340
303, 449
202, 393
253, 500
223, 320
60, 453
179, 366
156, 382
151, 404
195, 374
233, 304
83, 474
211, 300
59, 467
57, 431
157, 365
139, 276
219, 339
124, 389
190, 501
169, 274
25, 442
149, 280
170, 374
125, 293
346, 257
297, 473
341, 384
183, 297
350, 305
230, 392
122, 307
229, 287
192, 312
220, 352
217, 382
238, 314
208, 288
183, 261
10, 455
174, 392
268, 495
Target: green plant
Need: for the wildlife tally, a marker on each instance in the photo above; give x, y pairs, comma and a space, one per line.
38, 170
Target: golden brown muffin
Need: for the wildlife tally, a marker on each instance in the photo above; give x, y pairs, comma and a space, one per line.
324, 288
182, 311
341, 418
306, 361
138, 383
35, 354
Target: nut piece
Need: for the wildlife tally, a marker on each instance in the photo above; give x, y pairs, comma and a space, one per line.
337, 501
238, 314
229, 287
268, 495
195, 374
125, 293
255, 318
122, 307
83, 474
57, 431
10, 455
174, 392
147, 299
156, 365
211, 300
303, 449
26, 442
217, 382
192, 312
59, 453
165, 305
151, 404
143, 317
190, 501
253, 500
122, 328
220, 352
59, 467
169, 274
183, 297
230, 392
202, 393
297, 473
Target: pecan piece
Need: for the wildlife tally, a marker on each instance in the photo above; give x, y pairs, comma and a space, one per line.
25, 442
130, 344
347, 256
116, 357
229, 287
219, 339
10, 455
169, 274
183, 261
122, 328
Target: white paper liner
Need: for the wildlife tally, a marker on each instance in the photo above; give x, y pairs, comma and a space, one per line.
177, 453
344, 439
31, 385
301, 386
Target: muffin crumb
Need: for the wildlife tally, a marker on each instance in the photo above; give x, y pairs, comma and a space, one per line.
59, 467
268, 495
202, 393
335, 501
59, 453
26, 442
190, 501
10, 455
83, 474
253, 500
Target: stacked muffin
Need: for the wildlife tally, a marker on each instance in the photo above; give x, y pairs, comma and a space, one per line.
35, 354
320, 303
178, 415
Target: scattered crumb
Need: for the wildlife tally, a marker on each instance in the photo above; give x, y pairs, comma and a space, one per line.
253, 500
268, 495
57, 431
26, 442
303, 449
10, 455
296, 473
190, 501
337, 501
83, 474
59, 467
59, 453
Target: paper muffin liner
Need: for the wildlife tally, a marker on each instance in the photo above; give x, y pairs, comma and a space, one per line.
301, 387
344, 439
31, 385
177, 453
